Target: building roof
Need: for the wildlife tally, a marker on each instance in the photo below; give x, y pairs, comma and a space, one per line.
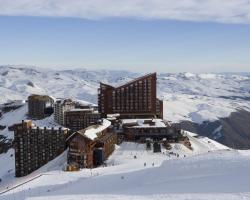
34, 126
81, 110
92, 132
63, 101
144, 123
42, 97
137, 79
132, 81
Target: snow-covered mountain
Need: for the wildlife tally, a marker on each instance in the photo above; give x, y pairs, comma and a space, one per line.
19, 82
209, 171
201, 97
195, 98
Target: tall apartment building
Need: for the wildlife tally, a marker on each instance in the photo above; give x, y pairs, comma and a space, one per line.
77, 119
36, 146
60, 107
40, 106
134, 99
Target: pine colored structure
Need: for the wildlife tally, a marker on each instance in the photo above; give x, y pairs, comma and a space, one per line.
91, 146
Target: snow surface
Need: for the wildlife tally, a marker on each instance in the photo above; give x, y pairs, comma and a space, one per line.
141, 122
187, 96
200, 108
92, 131
210, 171
11, 118
16, 116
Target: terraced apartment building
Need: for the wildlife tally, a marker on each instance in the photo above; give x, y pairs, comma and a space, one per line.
35, 146
134, 99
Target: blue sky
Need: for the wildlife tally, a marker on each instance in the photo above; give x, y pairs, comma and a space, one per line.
124, 42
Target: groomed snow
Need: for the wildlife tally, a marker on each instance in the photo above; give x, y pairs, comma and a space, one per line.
219, 174
210, 171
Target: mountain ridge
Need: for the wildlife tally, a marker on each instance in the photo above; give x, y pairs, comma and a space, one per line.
195, 98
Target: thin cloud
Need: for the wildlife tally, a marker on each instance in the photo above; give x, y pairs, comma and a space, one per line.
223, 11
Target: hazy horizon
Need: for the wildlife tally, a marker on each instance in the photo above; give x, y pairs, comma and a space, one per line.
110, 69
141, 36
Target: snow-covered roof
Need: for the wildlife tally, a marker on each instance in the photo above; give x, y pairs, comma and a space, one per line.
129, 121
92, 132
49, 128
84, 103
63, 101
43, 97
111, 118
81, 110
113, 115
143, 123
35, 126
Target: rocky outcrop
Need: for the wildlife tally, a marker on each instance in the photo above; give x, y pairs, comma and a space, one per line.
233, 131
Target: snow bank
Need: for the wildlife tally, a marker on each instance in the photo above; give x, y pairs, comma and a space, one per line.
200, 172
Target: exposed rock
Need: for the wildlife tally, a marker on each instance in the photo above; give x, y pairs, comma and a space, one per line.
233, 131
30, 84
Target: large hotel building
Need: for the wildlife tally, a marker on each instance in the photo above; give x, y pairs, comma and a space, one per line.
132, 100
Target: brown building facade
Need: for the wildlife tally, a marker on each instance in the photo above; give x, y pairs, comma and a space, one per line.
60, 107
155, 129
36, 146
77, 119
40, 106
170, 134
91, 146
134, 99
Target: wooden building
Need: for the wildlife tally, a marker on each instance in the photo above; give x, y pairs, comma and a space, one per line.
91, 146
135, 99
35, 146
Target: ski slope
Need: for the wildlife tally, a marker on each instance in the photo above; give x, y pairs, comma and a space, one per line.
209, 171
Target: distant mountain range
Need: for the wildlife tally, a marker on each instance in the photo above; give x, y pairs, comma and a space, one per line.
216, 105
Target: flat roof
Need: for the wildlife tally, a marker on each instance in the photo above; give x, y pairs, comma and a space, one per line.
144, 123
80, 110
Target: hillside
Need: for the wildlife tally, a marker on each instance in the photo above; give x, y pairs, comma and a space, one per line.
209, 171
207, 102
